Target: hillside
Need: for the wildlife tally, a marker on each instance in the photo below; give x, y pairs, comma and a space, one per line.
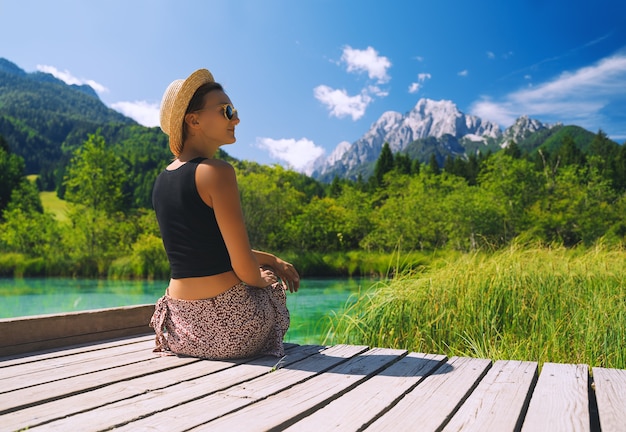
39, 112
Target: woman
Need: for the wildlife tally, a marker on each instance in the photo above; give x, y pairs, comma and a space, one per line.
224, 300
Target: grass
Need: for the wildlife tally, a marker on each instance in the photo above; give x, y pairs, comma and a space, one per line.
53, 204
536, 304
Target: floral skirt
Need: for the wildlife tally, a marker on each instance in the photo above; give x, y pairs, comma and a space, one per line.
241, 322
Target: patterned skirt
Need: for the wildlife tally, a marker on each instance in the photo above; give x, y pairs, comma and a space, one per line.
241, 322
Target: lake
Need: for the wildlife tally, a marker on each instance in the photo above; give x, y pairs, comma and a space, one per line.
310, 307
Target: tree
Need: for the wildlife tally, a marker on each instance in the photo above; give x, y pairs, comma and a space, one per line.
602, 154
474, 219
384, 164
11, 173
335, 188
515, 184
25, 197
619, 163
433, 164
95, 177
268, 201
602, 146
578, 208
448, 165
97, 231
569, 153
402, 163
513, 150
93, 238
30, 233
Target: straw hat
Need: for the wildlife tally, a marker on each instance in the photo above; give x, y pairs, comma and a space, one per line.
174, 104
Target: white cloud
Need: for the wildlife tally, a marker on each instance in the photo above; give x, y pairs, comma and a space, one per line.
341, 104
463, 73
491, 55
367, 60
423, 76
297, 153
416, 86
70, 79
143, 112
377, 91
338, 101
577, 97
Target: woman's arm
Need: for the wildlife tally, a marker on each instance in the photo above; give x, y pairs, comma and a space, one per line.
217, 185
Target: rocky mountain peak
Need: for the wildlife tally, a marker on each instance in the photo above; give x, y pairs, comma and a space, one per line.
428, 118
521, 129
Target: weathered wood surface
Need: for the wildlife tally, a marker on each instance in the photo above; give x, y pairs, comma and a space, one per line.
32, 333
120, 384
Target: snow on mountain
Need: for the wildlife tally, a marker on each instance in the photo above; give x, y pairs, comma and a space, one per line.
428, 118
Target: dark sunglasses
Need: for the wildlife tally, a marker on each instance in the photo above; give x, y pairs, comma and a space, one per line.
229, 110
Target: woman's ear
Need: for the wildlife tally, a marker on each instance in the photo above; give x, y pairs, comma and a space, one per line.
191, 119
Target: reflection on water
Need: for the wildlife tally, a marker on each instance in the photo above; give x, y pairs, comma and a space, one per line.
310, 307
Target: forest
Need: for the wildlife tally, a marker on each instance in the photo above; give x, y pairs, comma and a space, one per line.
557, 196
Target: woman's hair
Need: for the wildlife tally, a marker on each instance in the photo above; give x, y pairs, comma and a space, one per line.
197, 101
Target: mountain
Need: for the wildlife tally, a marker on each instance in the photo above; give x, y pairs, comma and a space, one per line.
454, 133
431, 128
40, 115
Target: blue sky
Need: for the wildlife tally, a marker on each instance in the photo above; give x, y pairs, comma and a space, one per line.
308, 75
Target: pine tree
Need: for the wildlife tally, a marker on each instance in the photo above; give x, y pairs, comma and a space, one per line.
434, 165
569, 153
384, 164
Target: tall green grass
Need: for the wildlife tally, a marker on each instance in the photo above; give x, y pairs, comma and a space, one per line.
537, 304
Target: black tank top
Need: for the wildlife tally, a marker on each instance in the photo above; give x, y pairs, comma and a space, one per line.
192, 239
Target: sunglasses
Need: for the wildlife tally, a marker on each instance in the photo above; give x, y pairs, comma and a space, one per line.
228, 109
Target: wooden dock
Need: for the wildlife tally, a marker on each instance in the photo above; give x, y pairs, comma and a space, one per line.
121, 384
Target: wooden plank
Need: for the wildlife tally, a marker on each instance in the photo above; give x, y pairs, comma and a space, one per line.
610, 386
55, 368
40, 332
73, 370
183, 416
298, 401
499, 400
180, 369
360, 406
126, 368
433, 402
155, 401
560, 401
22, 359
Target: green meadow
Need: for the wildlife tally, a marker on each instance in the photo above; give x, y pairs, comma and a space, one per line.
55, 205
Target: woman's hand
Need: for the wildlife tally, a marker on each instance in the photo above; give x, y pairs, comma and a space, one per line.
288, 274
268, 276
284, 270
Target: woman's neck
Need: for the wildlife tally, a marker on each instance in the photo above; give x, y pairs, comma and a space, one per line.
192, 152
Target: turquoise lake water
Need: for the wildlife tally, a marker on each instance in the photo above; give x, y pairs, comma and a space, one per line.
310, 307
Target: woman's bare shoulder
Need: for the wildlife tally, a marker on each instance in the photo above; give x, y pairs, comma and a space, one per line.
215, 171
218, 164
